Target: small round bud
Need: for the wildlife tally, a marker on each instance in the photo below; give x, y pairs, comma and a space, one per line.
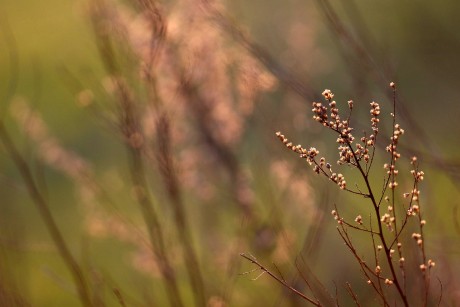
350, 104
388, 282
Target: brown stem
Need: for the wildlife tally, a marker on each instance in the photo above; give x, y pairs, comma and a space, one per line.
281, 281
381, 235
364, 267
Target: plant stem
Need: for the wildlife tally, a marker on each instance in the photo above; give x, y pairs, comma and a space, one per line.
47, 217
281, 281
380, 232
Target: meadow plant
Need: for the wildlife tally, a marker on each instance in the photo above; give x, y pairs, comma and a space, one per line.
394, 215
180, 92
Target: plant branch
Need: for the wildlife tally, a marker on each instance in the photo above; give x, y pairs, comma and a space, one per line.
281, 281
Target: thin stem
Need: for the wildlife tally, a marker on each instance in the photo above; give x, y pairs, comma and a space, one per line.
352, 294
380, 232
48, 219
364, 267
128, 126
166, 166
382, 237
153, 225
297, 292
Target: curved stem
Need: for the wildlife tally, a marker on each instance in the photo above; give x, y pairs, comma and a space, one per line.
47, 217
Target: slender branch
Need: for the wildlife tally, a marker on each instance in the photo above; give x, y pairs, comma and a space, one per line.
364, 267
281, 281
352, 294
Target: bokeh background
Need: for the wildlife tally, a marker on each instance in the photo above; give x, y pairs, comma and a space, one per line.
254, 70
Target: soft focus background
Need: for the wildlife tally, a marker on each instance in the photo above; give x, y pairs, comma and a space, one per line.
228, 74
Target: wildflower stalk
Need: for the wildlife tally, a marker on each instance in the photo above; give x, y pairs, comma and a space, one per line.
370, 194
382, 237
362, 158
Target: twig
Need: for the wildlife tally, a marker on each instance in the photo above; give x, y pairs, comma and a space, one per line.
352, 294
281, 281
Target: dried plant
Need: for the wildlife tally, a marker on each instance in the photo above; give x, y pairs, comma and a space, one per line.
180, 90
393, 215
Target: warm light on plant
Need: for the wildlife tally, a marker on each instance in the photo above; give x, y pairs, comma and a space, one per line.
385, 228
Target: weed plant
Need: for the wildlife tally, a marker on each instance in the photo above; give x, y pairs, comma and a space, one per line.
185, 94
